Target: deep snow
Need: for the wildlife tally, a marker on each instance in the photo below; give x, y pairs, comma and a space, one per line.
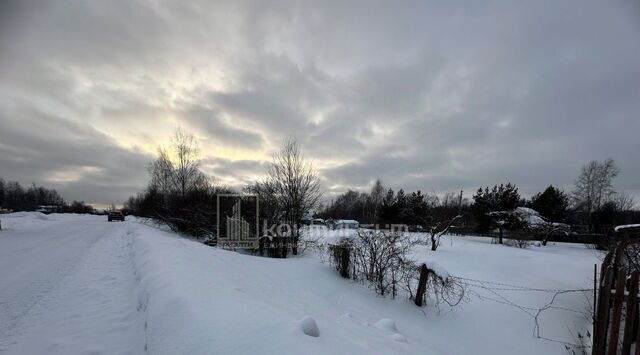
77, 284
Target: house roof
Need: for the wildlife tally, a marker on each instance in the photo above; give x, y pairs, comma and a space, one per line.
627, 227
345, 221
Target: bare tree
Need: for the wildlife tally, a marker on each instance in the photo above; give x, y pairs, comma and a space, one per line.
440, 229
295, 183
179, 193
594, 186
449, 199
622, 201
186, 172
161, 171
377, 195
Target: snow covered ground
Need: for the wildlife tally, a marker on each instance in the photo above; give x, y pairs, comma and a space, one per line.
77, 284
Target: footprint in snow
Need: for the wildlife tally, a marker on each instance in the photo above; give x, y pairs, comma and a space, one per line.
389, 326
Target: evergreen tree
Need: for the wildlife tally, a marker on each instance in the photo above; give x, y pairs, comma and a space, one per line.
552, 203
499, 198
388, 210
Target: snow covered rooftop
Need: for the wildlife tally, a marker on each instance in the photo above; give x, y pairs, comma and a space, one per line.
344, 221
627, 227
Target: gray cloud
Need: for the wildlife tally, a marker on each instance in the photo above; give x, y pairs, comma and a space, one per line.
79, 161
426, 95
222, 132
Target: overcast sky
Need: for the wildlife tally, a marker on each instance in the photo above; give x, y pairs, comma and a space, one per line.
437, 96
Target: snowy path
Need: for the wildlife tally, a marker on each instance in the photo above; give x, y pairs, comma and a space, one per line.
69, 288
79, 285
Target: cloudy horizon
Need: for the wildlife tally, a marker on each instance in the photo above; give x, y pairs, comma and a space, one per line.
435, 96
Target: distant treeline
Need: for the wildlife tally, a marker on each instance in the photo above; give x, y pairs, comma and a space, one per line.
592, 207
181, 195
384, 206
15, 197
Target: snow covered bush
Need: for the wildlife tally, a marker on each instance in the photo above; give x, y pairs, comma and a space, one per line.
383, 260
378, 258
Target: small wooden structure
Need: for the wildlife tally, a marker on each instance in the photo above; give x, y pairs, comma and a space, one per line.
617, 295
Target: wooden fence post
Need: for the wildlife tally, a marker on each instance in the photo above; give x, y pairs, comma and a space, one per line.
630, 319
602, 312
617, 312
422, 285
638, 342
345, 257
595, 304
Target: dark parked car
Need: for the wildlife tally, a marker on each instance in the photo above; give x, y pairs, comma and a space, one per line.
115, 216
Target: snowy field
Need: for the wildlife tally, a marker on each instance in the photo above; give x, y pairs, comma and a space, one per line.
76, 285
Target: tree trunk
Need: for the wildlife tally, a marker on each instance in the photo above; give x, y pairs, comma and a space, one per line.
422, 286
294, 245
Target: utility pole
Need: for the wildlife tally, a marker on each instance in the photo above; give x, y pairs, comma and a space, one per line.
460, 203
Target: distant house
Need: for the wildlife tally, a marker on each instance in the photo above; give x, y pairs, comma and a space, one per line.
342, 224
48, 209
308, 221
528, 218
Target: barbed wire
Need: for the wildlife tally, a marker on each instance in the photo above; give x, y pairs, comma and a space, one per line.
494, 289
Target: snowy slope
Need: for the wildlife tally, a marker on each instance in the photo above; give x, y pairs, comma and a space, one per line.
82, 285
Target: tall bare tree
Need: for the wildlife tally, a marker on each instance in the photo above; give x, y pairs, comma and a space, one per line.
161, 171
594, 186
186, 172
295, 183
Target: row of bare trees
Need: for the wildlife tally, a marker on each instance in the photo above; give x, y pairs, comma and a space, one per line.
181, 195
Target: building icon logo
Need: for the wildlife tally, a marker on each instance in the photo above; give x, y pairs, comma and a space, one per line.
237, 221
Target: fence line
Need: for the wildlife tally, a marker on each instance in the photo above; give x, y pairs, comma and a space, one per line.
616, 297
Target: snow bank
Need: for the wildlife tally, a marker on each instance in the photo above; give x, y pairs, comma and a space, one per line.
205, 300
131, 288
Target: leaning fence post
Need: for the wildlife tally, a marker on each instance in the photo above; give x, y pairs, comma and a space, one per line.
617, 312
422, 285
630, 320
602, 312
345, 257
638, 342
595, 299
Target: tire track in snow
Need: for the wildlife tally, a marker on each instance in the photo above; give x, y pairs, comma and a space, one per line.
33, 266
94, 309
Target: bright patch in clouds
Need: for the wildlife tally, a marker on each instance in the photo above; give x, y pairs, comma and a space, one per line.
425, 95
